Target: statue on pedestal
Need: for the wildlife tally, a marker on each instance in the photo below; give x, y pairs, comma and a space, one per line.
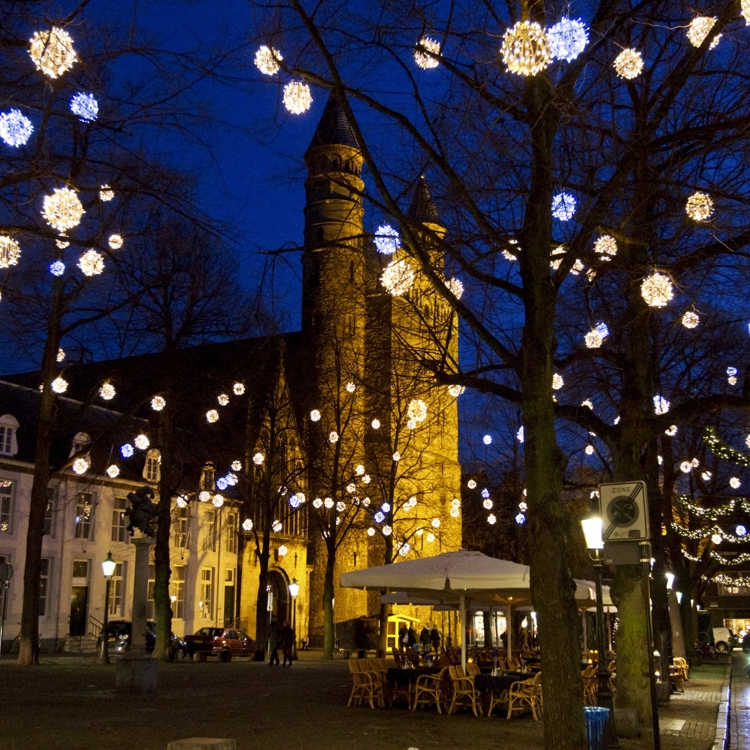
141, 511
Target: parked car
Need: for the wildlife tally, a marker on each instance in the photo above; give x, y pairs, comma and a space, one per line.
724, 640
221, 642
119, 639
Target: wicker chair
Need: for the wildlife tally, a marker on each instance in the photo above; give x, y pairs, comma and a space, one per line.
463, 690
430, 688
366, 685
526, 696
590, 684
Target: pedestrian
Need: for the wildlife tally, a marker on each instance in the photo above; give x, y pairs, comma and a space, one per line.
746, 650
435, 638
286, 642
424, 639
412, 636
403, 637
273, 641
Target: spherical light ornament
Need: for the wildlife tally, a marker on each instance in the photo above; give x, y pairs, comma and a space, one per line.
487, 504
81, 465
10, 251
716, 538
57, 268
328, 502
107, 391
690, 319
595, 338
297, 97
375, 424
587, 403
142, 442
204, 496
706, 476
91, 263
387, 530
526, 50
487, 439
221, 483
231, 479
106, 194
238, 388
181, 501
217, 501
734, 483
223, 399
258, 459
657, 290
317, 503
237, 465
695, 463
127, 450
158, 403
277, 526
333, 437
557, 382
371, 531
520, 519
396, 456
351, 387
563, 206
731, 371
398, 277
491, 519
471, 484
661, 405
686, 467
700, 27
115, 241
267, 60
85, 106
567, 39
212, 416
113, 471
745, 9
456, 390
15, 128
404, 549
456, 287
589, 450
340, 506
606, 246
247, 525
62, 210
59, 385
417, 410
61, 355
315, 415
671, 431
699, 206
387, 240
520, 434
427, 53
628, 64
52, 52
741, 530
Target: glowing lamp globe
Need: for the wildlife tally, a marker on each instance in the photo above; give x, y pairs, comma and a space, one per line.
690, 319
247, 525
107, 391
491, 519
375, 424
115, 241
267, 60
741, 530
109, 566
567, 39
734, 483
237, 465
10, 251
238, 389
113, 471
595, 338
606, 246
557, 381
628, 64
351, 387
398, 277
57, 268
142, 442
686, 467
700, 27
106, 194
487, 439
456, 287
699, 206
85, 106
315, 415
294, 588
417, 410
62, 210
60, 355
661, 405
387, 240
456, 390
657, 290
91, 263
593, 533
427, 53
396, 456
258, 459
217, 501
277, 526
471, 484
526, 49
563, 206
15, 128
212, 416
81, 465
52, 52
297, 97
158, 403
333, 437
223, 399
59, 385
127, 450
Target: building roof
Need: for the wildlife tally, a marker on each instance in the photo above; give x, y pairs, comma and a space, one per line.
334, 127
422, 208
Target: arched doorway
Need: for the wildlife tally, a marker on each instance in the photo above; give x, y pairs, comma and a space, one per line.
280, 591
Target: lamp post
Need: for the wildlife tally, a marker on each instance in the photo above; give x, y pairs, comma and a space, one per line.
108, 568
294, 590
593, 532
645, 559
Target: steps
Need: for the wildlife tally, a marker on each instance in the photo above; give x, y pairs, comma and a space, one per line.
80, 645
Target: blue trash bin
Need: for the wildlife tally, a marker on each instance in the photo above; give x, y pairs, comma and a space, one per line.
596, 721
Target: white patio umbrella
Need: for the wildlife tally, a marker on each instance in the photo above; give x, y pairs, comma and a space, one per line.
452, 576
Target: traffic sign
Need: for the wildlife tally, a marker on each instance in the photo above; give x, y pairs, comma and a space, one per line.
624, 511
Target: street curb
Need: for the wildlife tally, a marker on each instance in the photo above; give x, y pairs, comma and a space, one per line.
721, 740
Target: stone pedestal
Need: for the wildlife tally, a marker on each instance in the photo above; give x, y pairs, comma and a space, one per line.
135, 674
203, 743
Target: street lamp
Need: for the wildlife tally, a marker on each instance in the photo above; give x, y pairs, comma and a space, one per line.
593, 532
108, 568
294, 590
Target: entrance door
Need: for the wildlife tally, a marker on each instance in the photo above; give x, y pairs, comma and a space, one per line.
79, 601
228, 606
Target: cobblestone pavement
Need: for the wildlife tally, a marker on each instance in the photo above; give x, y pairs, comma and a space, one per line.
739, 716
69, 703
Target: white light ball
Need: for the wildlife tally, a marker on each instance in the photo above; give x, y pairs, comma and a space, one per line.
15, 128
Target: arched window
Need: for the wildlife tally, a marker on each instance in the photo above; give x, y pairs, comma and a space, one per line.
8, 440
152, 467
80, 441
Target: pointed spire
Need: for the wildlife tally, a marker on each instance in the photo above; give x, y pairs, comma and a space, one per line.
334, 128
422, 208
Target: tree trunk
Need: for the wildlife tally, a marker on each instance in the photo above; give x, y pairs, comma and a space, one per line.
162, 600
261, 605
328, 624
28, 652
386, 610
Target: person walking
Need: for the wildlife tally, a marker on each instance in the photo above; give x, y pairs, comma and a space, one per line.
412, 637
424, 640
435, 638
286, 642
273, 641
403, 638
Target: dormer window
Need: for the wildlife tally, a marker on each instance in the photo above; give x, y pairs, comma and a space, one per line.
152, 467
8, 440
80, 443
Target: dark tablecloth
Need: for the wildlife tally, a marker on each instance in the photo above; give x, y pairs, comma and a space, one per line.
402, 676
484, 682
